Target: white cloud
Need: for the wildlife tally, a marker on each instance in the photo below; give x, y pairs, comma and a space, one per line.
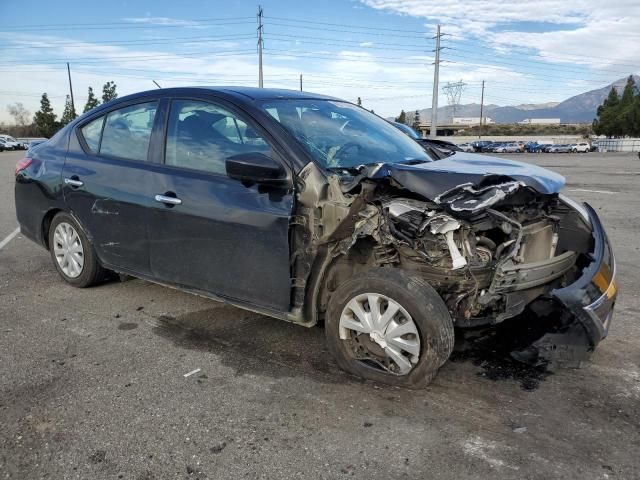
161, 21
601, 35
587, 34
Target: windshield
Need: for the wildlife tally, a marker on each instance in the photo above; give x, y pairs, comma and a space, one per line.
341, 135
407, 130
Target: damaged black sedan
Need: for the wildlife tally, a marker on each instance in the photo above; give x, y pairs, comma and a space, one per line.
313, 210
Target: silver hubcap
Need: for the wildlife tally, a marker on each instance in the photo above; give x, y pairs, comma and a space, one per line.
68, 250
381, 333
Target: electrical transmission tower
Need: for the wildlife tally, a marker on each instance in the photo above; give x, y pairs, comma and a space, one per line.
454, 91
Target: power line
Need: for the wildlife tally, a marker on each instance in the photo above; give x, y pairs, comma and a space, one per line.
343, 42
350, 58
125, 26
133, 57
158, 41
529, 63
348, 25
308, 27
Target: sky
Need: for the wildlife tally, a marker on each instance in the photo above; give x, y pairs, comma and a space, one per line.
379, 50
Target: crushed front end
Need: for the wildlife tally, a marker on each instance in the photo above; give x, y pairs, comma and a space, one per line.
495, 247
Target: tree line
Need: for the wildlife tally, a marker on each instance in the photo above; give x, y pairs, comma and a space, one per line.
44, 121
620, 116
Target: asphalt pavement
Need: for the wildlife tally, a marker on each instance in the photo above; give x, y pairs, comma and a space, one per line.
94, 384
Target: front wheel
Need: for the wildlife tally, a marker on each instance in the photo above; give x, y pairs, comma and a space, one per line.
389, 326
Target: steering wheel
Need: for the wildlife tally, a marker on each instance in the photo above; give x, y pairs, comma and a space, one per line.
343, 148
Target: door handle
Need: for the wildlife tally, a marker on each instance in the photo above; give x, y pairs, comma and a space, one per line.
168, 200
74, 182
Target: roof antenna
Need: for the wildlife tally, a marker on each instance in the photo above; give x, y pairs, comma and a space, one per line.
157, 84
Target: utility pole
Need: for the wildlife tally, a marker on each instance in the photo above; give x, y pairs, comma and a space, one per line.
434, 99
300, 82
260, 45
481, 108
73, 106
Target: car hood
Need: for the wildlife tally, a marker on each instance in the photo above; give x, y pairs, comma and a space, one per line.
468, 182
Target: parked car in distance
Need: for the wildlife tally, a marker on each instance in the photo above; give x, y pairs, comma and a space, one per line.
478, 145
313, 210
582, 147
532, 147
17, 144
490, 147
2, 146
466, 147
563, 148
547, 148
23, 144
8, 144
508, 148
594, 146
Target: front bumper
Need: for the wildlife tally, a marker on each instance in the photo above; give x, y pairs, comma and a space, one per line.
591, 298
569, 334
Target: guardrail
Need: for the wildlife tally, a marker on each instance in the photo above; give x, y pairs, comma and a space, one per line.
619, 145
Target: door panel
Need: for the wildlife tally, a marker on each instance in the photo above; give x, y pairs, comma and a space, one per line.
111, 197
225, 237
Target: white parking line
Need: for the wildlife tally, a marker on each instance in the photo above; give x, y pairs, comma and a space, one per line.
591, 191
9, 237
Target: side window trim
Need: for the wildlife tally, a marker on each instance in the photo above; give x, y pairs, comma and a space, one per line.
85, 147
104, 122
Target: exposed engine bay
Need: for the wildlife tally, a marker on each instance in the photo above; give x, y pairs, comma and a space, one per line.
491, 249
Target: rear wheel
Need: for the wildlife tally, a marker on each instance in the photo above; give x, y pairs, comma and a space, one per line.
389, 326
72, 253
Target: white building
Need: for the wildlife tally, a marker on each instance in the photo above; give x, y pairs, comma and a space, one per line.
471, 120
540, 121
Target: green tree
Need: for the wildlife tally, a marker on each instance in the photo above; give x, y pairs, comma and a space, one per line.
69, 112
632, 117
359, 102
45, 119
416, 121
109, 92
608, 121
92, 101
402, 118
627, 108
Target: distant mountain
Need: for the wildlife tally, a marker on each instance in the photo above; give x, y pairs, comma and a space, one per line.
578, 109
536, 106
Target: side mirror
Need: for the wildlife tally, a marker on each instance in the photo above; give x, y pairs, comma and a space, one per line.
255, 167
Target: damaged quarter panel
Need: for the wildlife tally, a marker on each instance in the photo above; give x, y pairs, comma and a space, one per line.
38, 189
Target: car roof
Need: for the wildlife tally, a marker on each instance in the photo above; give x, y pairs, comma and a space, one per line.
251, 93
239, 94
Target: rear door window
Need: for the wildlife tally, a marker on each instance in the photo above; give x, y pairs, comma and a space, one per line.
127, 131
91, 133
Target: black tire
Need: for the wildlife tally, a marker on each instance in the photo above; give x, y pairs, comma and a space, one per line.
92, 271
419, 299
